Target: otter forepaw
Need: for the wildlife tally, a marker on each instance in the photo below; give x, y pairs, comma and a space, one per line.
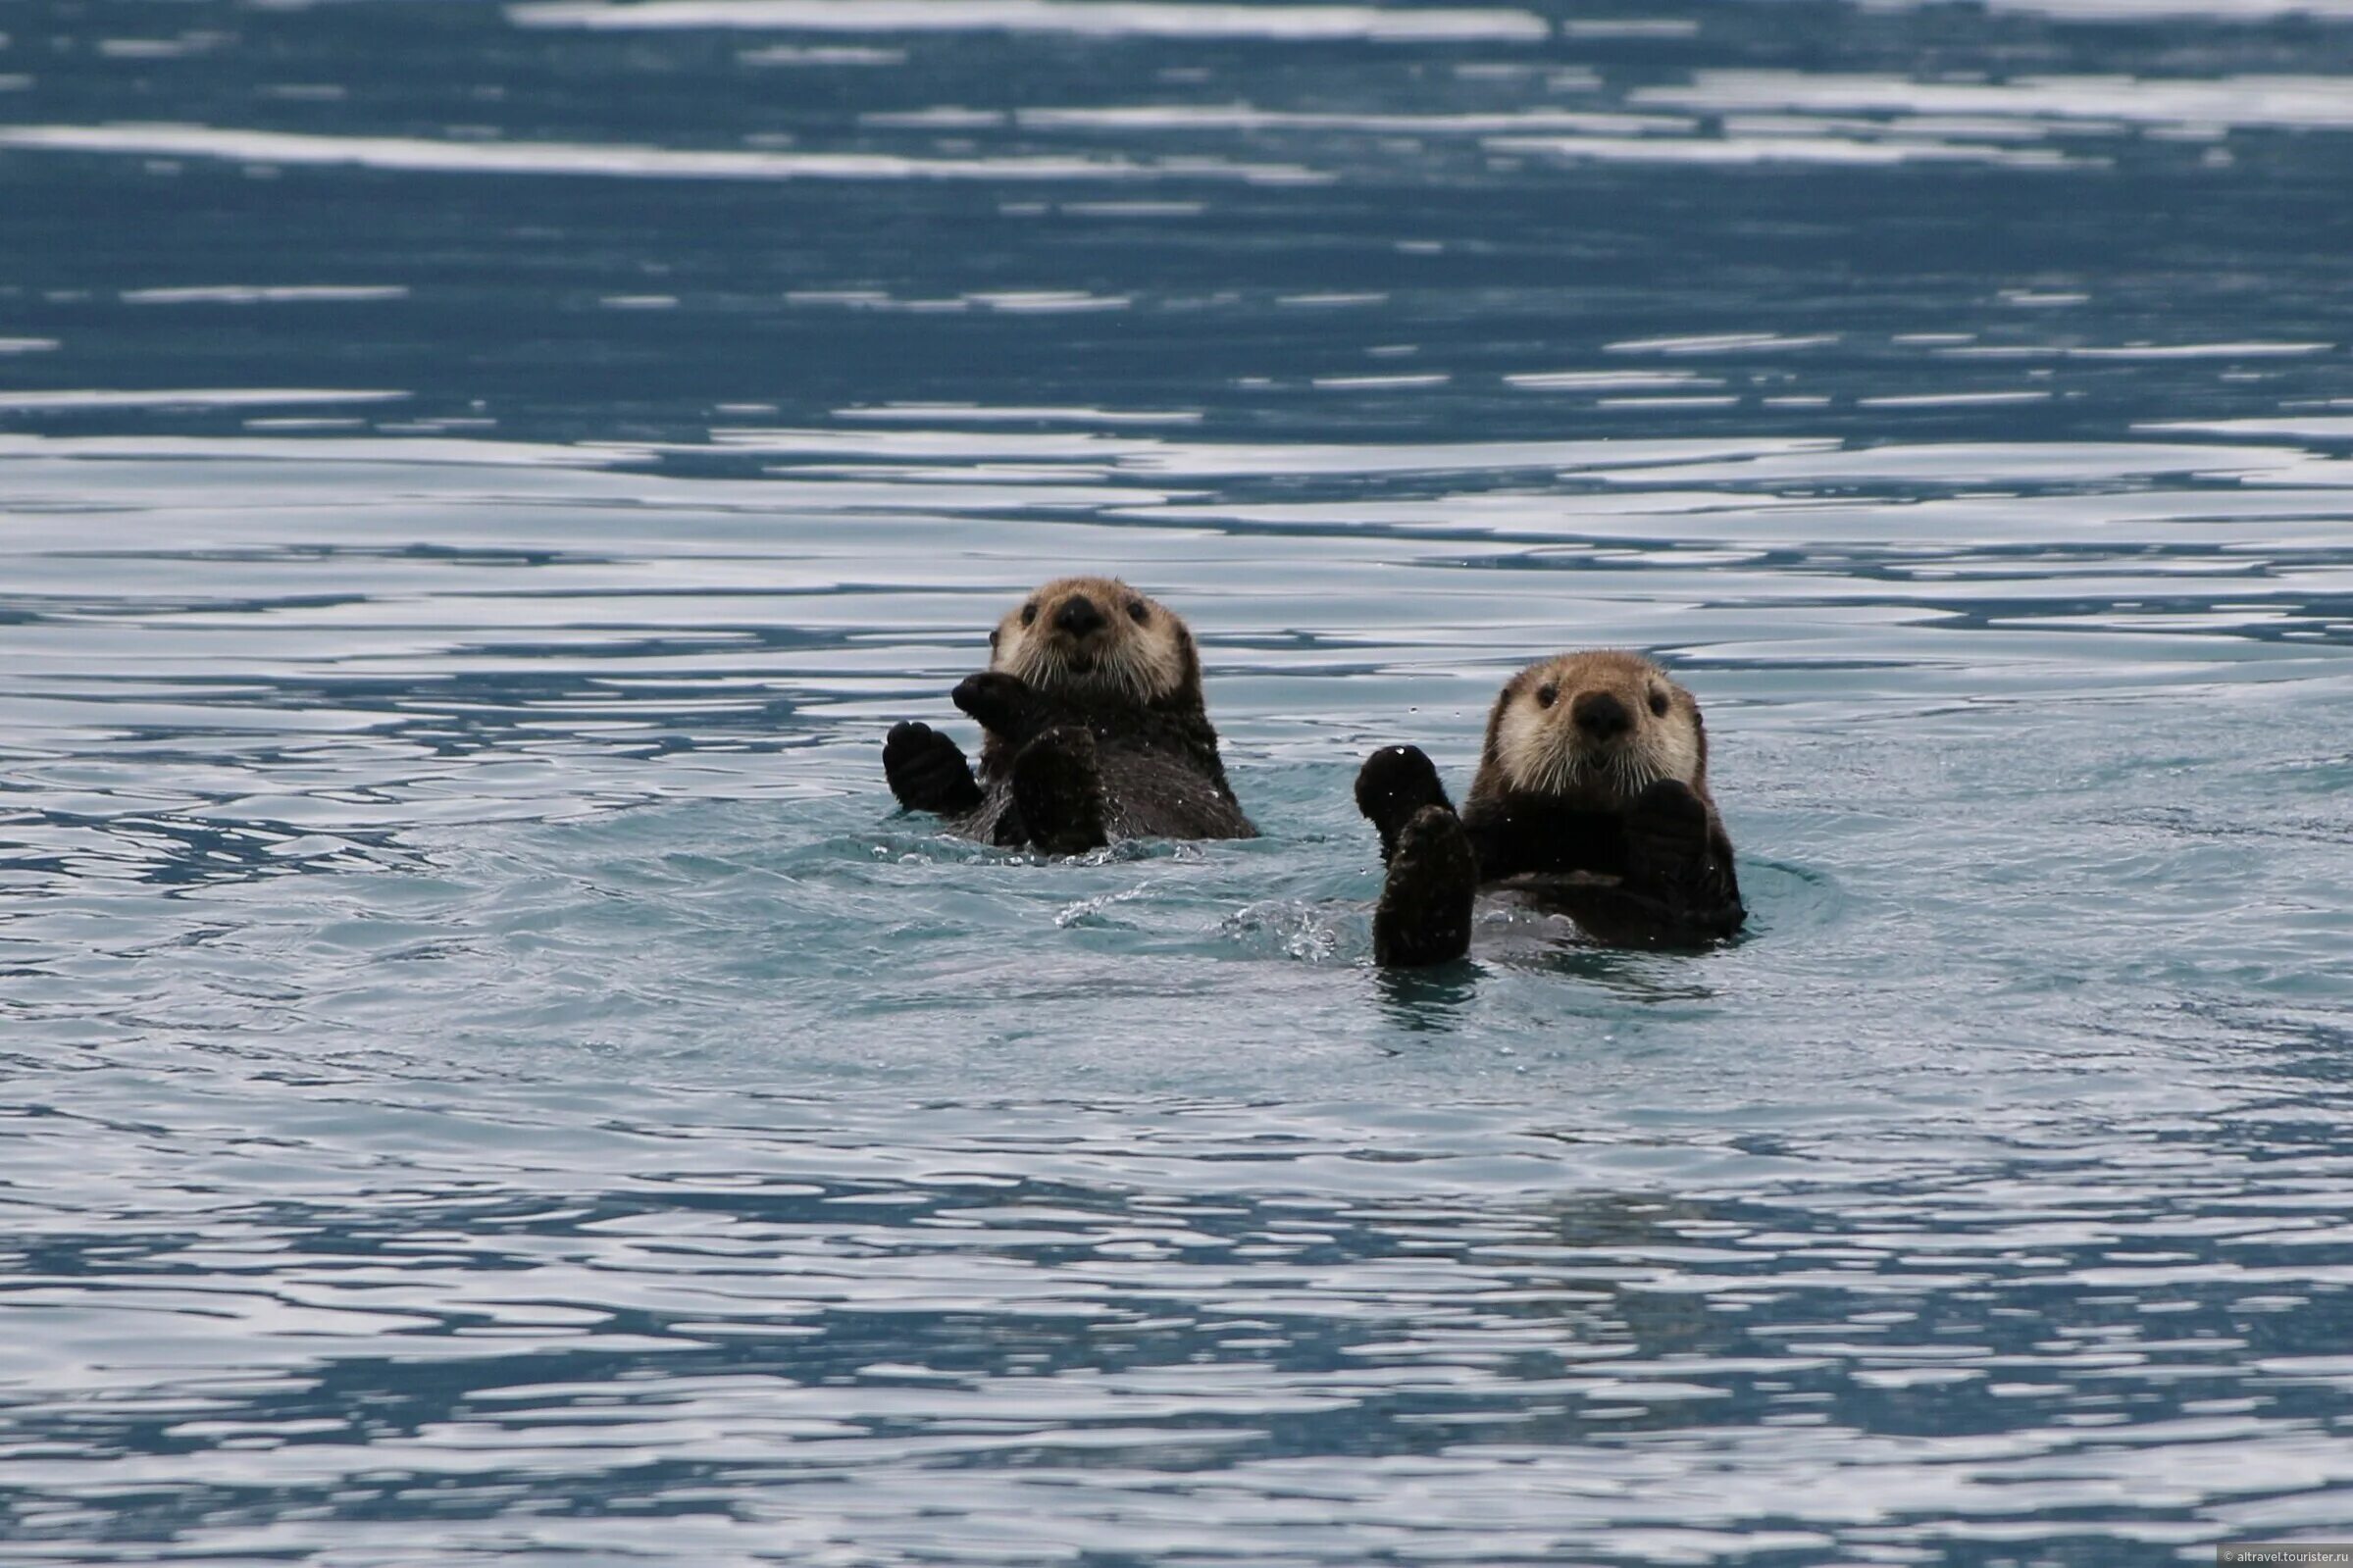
1679, 865
1425, 909
1666, 833
928, 772
1003, 704
1395, 783
1058, 789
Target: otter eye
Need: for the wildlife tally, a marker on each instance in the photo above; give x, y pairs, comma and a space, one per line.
1138, 612
1546, 694
1028, 613
1658, 702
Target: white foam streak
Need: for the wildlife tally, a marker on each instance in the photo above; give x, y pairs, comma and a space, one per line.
1166, 18
1720, 344
1140, 454
271, 294
2307, 102
1141, 118
975, 413
2132, 351
1608, 381
422, 155
1789, 149
191, 397
2201, 351
2318, 426
426, 451
787, 55
1952, 399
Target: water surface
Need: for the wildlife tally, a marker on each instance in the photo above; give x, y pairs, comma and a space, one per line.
493, 1079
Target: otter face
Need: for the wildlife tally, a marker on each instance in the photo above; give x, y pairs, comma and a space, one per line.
1098, 639
1599, 727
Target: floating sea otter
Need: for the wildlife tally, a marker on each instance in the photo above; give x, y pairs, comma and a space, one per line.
1092, 728
1591, 799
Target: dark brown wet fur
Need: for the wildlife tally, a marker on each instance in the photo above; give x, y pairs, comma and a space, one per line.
1083, 760
1636, 861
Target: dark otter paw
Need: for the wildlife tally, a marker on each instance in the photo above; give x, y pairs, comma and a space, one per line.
1679, 862
1425, 908
1667, 834
1003, 704
928, 772
1394, 783
1058, 789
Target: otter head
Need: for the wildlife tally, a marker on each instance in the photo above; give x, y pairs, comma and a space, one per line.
1596, 729
1096, 640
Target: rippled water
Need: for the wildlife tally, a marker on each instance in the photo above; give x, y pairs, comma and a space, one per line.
491, 1078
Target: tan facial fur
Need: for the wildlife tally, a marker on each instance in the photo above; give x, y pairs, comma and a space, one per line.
1098, 639
1594, 728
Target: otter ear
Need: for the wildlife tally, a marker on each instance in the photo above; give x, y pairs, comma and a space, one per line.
1189, 680
1489, 751
1699, 729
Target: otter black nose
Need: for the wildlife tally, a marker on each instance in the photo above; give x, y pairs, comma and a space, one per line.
1078, 616
1601, 715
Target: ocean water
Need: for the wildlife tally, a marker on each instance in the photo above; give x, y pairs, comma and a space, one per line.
490, 1077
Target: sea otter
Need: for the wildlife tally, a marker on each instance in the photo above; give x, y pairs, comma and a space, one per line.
1590, 798
1092, 728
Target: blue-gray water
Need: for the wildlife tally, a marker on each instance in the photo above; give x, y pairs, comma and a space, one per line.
489, 1078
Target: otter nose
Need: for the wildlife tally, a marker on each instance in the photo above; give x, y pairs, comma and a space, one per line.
1078, 616
1601, 715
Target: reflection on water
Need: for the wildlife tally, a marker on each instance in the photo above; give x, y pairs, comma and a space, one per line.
494, 1078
